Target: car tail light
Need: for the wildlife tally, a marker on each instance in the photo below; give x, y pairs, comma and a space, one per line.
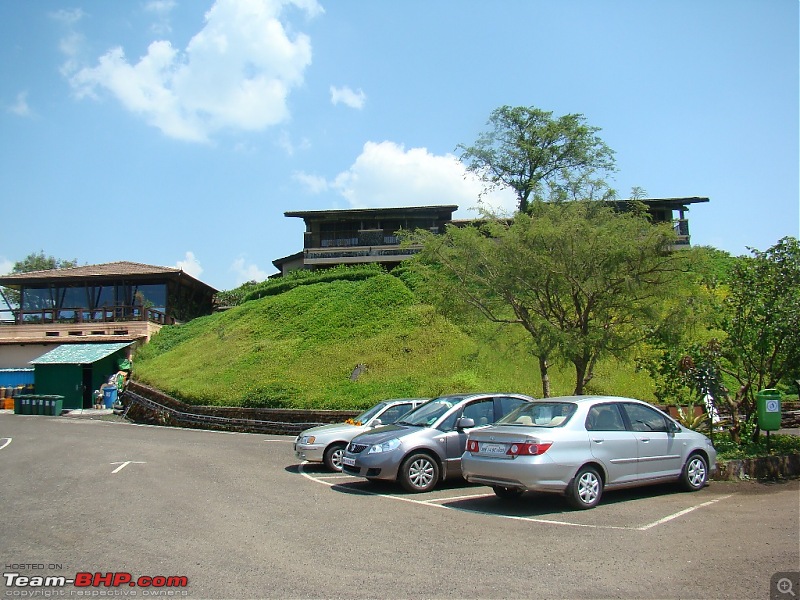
529, 449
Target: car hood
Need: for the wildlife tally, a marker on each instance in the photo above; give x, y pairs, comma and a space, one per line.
385, 432
334, 428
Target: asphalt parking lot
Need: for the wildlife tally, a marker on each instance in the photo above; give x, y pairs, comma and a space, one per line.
238, 517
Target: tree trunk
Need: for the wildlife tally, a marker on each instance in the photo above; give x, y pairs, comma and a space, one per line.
580, 375
543, 369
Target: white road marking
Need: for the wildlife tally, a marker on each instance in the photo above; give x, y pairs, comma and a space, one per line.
437, 503
682, 512
6, 443
122, 465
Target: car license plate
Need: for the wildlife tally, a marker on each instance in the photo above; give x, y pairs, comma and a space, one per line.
487, 448
350, 462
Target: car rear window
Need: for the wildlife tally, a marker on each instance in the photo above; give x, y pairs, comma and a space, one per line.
540, 414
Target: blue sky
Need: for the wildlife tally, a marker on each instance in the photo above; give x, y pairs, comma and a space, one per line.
177, 133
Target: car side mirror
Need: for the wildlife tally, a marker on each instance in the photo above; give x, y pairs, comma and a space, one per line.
465, 423
376, 423
674, 428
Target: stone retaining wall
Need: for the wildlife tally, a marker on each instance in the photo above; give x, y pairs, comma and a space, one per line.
285, 415
764, 467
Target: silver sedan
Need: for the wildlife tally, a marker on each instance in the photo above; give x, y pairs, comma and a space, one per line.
582, 445
326, 443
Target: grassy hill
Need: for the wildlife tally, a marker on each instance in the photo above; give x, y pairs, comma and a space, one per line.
298, 348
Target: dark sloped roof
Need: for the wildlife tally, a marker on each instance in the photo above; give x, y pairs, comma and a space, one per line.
358, 212
121, 269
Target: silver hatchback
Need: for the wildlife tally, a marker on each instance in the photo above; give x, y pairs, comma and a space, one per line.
425, 446
581, 445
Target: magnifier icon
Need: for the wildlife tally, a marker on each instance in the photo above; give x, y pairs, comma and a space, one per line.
784, 586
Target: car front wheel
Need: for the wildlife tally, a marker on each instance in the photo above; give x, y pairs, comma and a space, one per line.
695, 473
419, 473
586, 489
333, 457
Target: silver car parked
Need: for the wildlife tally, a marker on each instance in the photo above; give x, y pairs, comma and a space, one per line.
582, 445
425, 446
326, 443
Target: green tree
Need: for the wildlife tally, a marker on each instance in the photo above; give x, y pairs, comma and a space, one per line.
535, 155
583, 280
750, 339
38, 261
762, 320
35, 261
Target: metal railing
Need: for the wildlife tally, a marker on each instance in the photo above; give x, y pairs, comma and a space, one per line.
104, 314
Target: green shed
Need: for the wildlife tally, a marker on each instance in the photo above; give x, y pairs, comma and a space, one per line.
76, 370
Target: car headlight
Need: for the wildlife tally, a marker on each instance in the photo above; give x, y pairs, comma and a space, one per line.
306, 439
386, 446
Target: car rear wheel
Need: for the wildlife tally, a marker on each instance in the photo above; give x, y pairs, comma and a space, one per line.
585, 489
419, 473
333, 457
507, 493
695, 473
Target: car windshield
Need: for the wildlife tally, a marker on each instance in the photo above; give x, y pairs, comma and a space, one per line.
427, 414
368, 414
539, 414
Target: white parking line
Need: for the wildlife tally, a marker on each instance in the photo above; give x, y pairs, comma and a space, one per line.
470, 497
437, 503
682, 512
6, 443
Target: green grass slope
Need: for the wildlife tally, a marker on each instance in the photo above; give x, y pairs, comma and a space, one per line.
299, 348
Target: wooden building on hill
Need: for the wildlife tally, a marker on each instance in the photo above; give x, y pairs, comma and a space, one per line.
369, 235
119, 302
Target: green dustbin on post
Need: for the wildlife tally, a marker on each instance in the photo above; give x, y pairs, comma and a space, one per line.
768, 406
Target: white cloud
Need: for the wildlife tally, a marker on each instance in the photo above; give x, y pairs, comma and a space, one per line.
5, 265
348, 97
161, 9
314, 184
236, 73
190, 265
20, 107
290, 147
67, 16
247, 272
386, 174
71, 43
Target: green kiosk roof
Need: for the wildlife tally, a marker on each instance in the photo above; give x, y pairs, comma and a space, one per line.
78, 354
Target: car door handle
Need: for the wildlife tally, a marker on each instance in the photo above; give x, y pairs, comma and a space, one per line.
645, 440
598, 440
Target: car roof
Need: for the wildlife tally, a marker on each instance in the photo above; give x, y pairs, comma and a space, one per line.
591, 399
465, 396
398, 400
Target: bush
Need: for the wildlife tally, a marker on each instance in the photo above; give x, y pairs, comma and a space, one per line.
779, 445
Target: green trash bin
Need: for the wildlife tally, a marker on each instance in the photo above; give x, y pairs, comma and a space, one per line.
27, 407
17, 405
768, 406
55, 404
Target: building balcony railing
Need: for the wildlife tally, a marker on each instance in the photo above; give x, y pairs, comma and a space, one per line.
106, 314
361, 253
